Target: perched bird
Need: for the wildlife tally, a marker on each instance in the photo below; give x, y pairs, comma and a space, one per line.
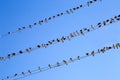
78, 57
87, 54
30, 26
93, 53
27, 50
39, 68
9, 33
13, 54
15, 74
117, 45
71, 59
99, 24
81, 31
23, 73
20, 51
58, 64
19, 29
38, 46
49, 66
35, 24
77, 32
8, 77
65, 62
23, 27
29, 71
9, 55
92, 27
67, 12
89, 3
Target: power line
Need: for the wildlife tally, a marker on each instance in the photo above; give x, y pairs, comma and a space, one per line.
29, 72
40, 22
69, 37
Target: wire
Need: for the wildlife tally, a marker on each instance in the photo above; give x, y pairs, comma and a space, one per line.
40, 22
66, 38
64, 62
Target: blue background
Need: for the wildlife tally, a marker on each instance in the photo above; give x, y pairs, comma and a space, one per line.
18, 13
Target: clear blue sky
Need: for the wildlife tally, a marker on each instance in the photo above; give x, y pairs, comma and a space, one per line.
17, 13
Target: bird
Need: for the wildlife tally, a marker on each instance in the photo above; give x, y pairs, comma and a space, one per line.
71, 59
46, 20
8, 55
58, 15
71, 35
78, 57
23, 27
81, 31
99, 51
23, 73
99, 24
74, 9
65, 62
71, 10
107, 20
30, 49
27, 50
49, 18
85, 29
19, 29
95, 0
38, 46
77, 32
9, 33
13, 54
74, 33
92, 27
67, 12
113, 46
58, 64
117, 45
47, 44
20, 51
49, 66
93, 53
58, 40
110, 47
102, 50
118, 17
8, 77
87, 54
50, 42
77, 7
39, 68
53, 41
63, 38
44, 45
29, 71
112, 20
15, 74
30, 26
54, 17
81, 5
68, 37
40, 22
61, 14
35, 24
89, 2
104, 23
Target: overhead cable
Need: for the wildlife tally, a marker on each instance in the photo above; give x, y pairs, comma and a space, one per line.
39, 69
66, 38
45, 20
